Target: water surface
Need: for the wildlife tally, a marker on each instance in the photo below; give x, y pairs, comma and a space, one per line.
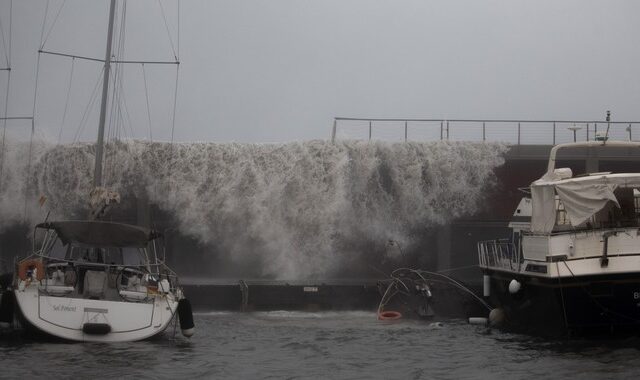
337, 345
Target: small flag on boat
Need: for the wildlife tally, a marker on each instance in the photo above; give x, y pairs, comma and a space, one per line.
42, 200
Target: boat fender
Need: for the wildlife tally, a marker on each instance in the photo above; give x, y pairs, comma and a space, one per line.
514, 286
435, 325
496, 317
96, 328
186, 317
486, 285
7, 304
478, 321
5, 280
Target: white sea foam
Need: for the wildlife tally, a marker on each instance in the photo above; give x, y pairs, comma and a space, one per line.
299, 208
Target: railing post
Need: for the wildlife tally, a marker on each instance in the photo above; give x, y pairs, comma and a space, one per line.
441, 130
447, 130
369, 130
595, 130
405, 131
518, 133
554, 133
587, 131
484, 132
333, 131
630, 132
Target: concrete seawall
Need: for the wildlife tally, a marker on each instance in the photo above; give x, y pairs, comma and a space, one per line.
450, 248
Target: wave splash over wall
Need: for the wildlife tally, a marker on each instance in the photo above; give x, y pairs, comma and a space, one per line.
301, 209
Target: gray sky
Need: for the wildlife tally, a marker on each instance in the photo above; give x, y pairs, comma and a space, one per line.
280, 70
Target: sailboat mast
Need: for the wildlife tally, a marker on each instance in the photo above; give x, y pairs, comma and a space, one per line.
97, 174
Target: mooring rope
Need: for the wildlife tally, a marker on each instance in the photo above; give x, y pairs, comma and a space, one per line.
418, 272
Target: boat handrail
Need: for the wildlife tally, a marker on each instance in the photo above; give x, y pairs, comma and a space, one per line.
520, 132
499, 253
151, 281
597, 229
587, 144
154, 268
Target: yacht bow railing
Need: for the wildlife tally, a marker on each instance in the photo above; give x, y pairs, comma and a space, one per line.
500, 254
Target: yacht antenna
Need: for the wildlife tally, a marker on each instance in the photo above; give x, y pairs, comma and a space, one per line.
97, 176
606, 135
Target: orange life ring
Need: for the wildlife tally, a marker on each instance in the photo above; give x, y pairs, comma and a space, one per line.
389, 315
25, 265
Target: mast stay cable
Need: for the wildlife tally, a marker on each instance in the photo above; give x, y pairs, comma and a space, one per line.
171, 165
53, 24
66, 103
4, 49
4, 128
6, 98
146, 95
33, 111
166, 25
85, 115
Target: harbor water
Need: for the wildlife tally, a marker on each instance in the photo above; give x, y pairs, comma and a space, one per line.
324, 345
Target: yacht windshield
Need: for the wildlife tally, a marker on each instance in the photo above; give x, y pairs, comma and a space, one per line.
58, 250
132, 256
54, 247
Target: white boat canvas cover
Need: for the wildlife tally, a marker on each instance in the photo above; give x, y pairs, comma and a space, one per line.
582, 197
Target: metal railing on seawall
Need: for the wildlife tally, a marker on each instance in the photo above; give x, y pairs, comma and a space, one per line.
519, 132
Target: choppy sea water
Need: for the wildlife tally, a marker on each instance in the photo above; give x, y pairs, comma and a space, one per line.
327, 345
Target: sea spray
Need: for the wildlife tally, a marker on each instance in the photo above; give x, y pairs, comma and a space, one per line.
300, 209
16, 193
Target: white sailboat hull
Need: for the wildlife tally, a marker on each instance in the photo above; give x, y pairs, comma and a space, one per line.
66, 317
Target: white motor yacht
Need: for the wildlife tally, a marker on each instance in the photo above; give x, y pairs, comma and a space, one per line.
572, 264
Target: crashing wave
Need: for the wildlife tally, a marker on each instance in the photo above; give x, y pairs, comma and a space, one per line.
301, 209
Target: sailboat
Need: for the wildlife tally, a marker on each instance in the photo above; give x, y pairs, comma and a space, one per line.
94, 280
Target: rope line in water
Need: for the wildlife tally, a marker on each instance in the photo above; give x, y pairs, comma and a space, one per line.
397, 281
453, 282
457, 268
564, 310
